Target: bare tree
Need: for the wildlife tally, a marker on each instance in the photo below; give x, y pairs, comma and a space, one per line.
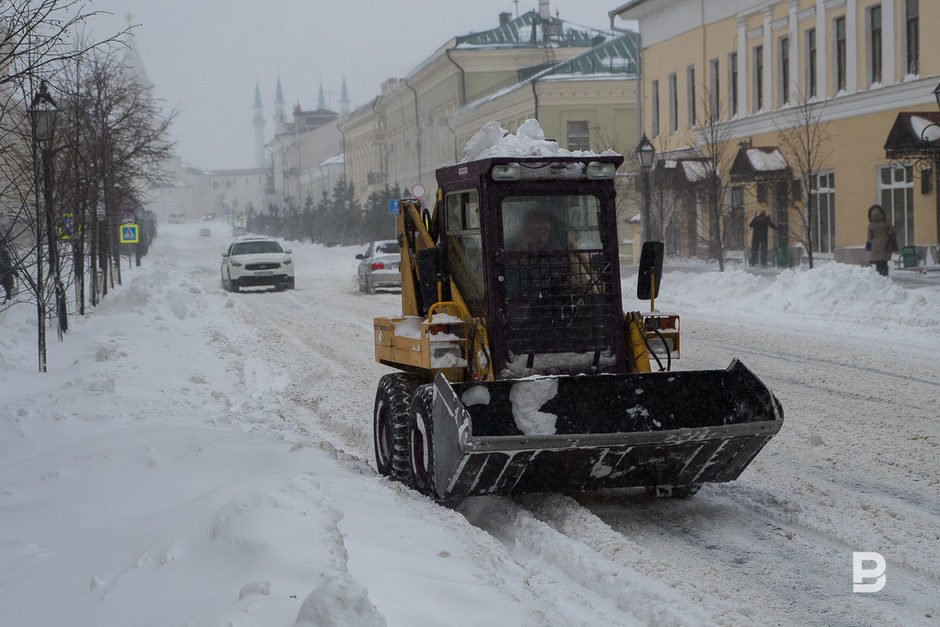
804, 138
715, 151
119, 143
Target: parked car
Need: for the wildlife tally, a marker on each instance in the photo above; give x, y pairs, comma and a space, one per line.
257, 261
177, 218
205, 232
378, 266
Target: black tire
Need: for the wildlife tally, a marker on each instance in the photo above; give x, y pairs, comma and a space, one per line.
390, 425
421, 441
225, 285
362, 286
673, 491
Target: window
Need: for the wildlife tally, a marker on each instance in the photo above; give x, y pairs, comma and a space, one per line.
758, 78
840, 53
673, 105
874, 44
811, 62
655, 112
714, 104
896, 190
823, 218
690, 93
784, 71
912, 36
464, 246
733, 82
579, 136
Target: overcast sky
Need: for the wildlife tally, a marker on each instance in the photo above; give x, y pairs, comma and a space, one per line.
205, 56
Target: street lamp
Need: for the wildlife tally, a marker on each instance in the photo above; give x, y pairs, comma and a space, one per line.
645, 153
43, 113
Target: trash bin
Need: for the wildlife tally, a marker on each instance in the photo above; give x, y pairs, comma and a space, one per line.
781, 257
909, 257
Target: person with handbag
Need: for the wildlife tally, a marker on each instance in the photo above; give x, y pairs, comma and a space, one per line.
882, 240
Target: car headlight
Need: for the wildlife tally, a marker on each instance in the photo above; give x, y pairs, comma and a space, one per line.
237, 264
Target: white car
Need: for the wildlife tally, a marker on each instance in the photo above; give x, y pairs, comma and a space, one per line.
257, 261
378, 266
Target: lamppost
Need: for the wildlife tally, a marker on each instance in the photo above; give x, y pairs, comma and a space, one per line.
645, 153
42, 113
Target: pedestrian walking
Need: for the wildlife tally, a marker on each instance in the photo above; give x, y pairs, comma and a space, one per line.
759, 226
882, 240
6, 271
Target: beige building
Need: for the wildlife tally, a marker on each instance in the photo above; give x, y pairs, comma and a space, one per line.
195, 192
851, 65
408, 130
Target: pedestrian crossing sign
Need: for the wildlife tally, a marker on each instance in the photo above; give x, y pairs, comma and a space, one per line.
130, 234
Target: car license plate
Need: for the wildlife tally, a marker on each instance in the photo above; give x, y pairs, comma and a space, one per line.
264, 272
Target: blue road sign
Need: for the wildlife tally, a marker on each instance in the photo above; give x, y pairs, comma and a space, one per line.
394, 205
130, 234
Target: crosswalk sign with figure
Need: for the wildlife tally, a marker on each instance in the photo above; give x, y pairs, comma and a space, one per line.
130, 234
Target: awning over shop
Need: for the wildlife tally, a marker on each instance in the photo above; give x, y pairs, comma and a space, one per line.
757, 164
682, 171
914, 135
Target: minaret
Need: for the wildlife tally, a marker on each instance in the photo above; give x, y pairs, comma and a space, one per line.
279, 118
321, 101
258, 123
344, 100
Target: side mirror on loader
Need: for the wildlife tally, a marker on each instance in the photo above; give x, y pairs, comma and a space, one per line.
651, 267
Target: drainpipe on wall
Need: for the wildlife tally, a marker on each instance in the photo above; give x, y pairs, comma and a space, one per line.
463, 78
417, 127
535, 98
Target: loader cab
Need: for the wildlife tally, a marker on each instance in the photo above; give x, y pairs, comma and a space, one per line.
531, 245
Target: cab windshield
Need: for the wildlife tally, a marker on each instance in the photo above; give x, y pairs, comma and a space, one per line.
551, 222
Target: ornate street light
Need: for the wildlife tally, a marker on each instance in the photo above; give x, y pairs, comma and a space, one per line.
645, 153
42, 114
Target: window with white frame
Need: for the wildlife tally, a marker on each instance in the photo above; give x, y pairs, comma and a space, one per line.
654, 98
873, 18
758, 78
784, 71
896, 190
690, 93
714, 102
733, 83
912, 36
839, 52
823, 216
579, 135
811, 63
673, 104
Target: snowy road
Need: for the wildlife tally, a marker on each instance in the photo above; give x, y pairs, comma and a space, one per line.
854, 469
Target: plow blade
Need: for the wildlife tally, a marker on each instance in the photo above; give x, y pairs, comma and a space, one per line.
603, 431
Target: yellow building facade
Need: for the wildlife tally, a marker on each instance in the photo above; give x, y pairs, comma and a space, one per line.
763, 68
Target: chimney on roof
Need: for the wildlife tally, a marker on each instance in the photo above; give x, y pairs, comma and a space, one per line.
544, 12
504, 18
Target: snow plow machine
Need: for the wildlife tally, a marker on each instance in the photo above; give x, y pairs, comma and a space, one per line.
519, 370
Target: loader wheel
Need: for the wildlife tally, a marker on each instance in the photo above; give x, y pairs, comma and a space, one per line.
390, 425
420, 440
673, 491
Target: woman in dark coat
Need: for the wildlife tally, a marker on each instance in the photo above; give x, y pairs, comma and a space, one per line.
879, 235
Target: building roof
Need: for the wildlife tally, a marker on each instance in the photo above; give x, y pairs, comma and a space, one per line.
527, 30
914, 134
759, 163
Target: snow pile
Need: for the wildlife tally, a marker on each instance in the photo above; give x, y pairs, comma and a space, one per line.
836, 292
527, 397
492, 140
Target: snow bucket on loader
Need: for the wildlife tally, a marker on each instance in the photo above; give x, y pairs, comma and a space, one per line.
539, 434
